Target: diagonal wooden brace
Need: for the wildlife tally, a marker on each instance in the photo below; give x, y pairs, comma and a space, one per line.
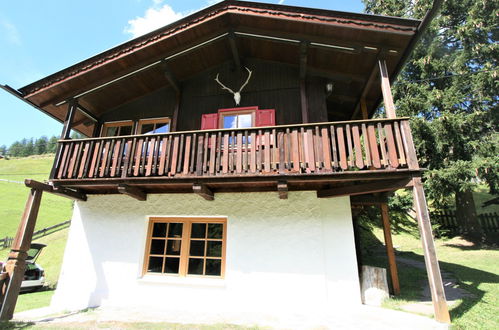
16, 262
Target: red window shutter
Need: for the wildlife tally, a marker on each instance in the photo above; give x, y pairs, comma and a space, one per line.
209, 121
265, 117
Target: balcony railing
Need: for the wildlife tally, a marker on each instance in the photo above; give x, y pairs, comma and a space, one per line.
384, 144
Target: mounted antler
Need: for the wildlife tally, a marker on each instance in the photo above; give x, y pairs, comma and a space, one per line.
237, 95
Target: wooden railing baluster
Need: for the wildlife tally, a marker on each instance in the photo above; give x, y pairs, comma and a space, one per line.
382, 146
308, 148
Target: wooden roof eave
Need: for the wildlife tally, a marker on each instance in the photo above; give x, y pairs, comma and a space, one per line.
229, 6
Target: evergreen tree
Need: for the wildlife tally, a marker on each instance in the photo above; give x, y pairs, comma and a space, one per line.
3, 150
16, 149
41, 145
29, 147
52, 145
449, 88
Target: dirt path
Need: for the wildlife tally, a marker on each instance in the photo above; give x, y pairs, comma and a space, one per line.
452, 292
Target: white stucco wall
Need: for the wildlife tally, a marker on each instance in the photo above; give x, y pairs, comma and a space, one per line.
283, 256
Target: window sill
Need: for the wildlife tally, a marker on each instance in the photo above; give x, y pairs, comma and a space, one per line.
187, 281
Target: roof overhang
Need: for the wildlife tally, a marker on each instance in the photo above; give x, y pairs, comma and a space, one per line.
341, 47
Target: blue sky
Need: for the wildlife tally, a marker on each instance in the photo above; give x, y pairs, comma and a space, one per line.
38, 38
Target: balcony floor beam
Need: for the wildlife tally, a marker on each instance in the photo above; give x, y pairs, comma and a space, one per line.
133, 192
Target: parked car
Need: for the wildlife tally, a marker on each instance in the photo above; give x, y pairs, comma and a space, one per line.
34, 275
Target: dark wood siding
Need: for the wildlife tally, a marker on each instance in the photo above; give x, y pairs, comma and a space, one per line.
272, 86
159, 103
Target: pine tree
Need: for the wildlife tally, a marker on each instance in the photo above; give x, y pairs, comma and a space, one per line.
29, 147
449, 88
41, 145
16, 149
52, 145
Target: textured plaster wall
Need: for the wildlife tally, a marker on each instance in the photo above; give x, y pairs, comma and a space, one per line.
283, 256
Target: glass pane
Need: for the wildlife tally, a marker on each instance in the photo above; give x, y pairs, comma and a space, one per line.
147, 129
244, 120
175, 230
172, 265
158, 246
197, 248
111, 131
195, 266
198, 230
162, 128
213, 267
173, 247
155, 265
159, 230
214, 249
230, 122
126, 130
215, 230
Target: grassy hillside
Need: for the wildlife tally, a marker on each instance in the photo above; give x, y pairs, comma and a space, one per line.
54, 209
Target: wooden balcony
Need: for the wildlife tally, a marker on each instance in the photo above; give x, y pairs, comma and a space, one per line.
308, 156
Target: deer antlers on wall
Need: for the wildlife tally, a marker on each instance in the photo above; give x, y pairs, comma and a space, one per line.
237, 95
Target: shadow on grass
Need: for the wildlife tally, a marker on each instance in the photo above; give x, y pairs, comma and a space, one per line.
414, 279
472, 247
7, 325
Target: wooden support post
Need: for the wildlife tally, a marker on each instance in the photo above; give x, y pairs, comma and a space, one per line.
390, 252
173, 126
16, 262
303, 85
235, 53
386, 89
178, 93
363, 108
430, 256
203, 191
282, 188
66, 131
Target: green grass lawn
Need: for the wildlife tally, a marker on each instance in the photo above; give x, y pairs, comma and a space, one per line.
51, 261
476, 270
53, 209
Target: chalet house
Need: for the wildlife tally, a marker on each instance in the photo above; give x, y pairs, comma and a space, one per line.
223, 154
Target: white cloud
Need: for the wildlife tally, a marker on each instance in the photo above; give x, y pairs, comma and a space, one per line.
154, 18
281, 2
10, 32
159, 15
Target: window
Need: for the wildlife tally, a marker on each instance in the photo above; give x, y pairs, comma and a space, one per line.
154, 126
243, 117
237, 119
117, 128
186, 246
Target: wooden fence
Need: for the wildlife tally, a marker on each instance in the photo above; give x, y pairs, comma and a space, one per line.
7, 241
307, 148
447, 221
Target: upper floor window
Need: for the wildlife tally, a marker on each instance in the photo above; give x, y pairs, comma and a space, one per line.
117, 128
154, 126
237, 119
186, 246
244, 117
